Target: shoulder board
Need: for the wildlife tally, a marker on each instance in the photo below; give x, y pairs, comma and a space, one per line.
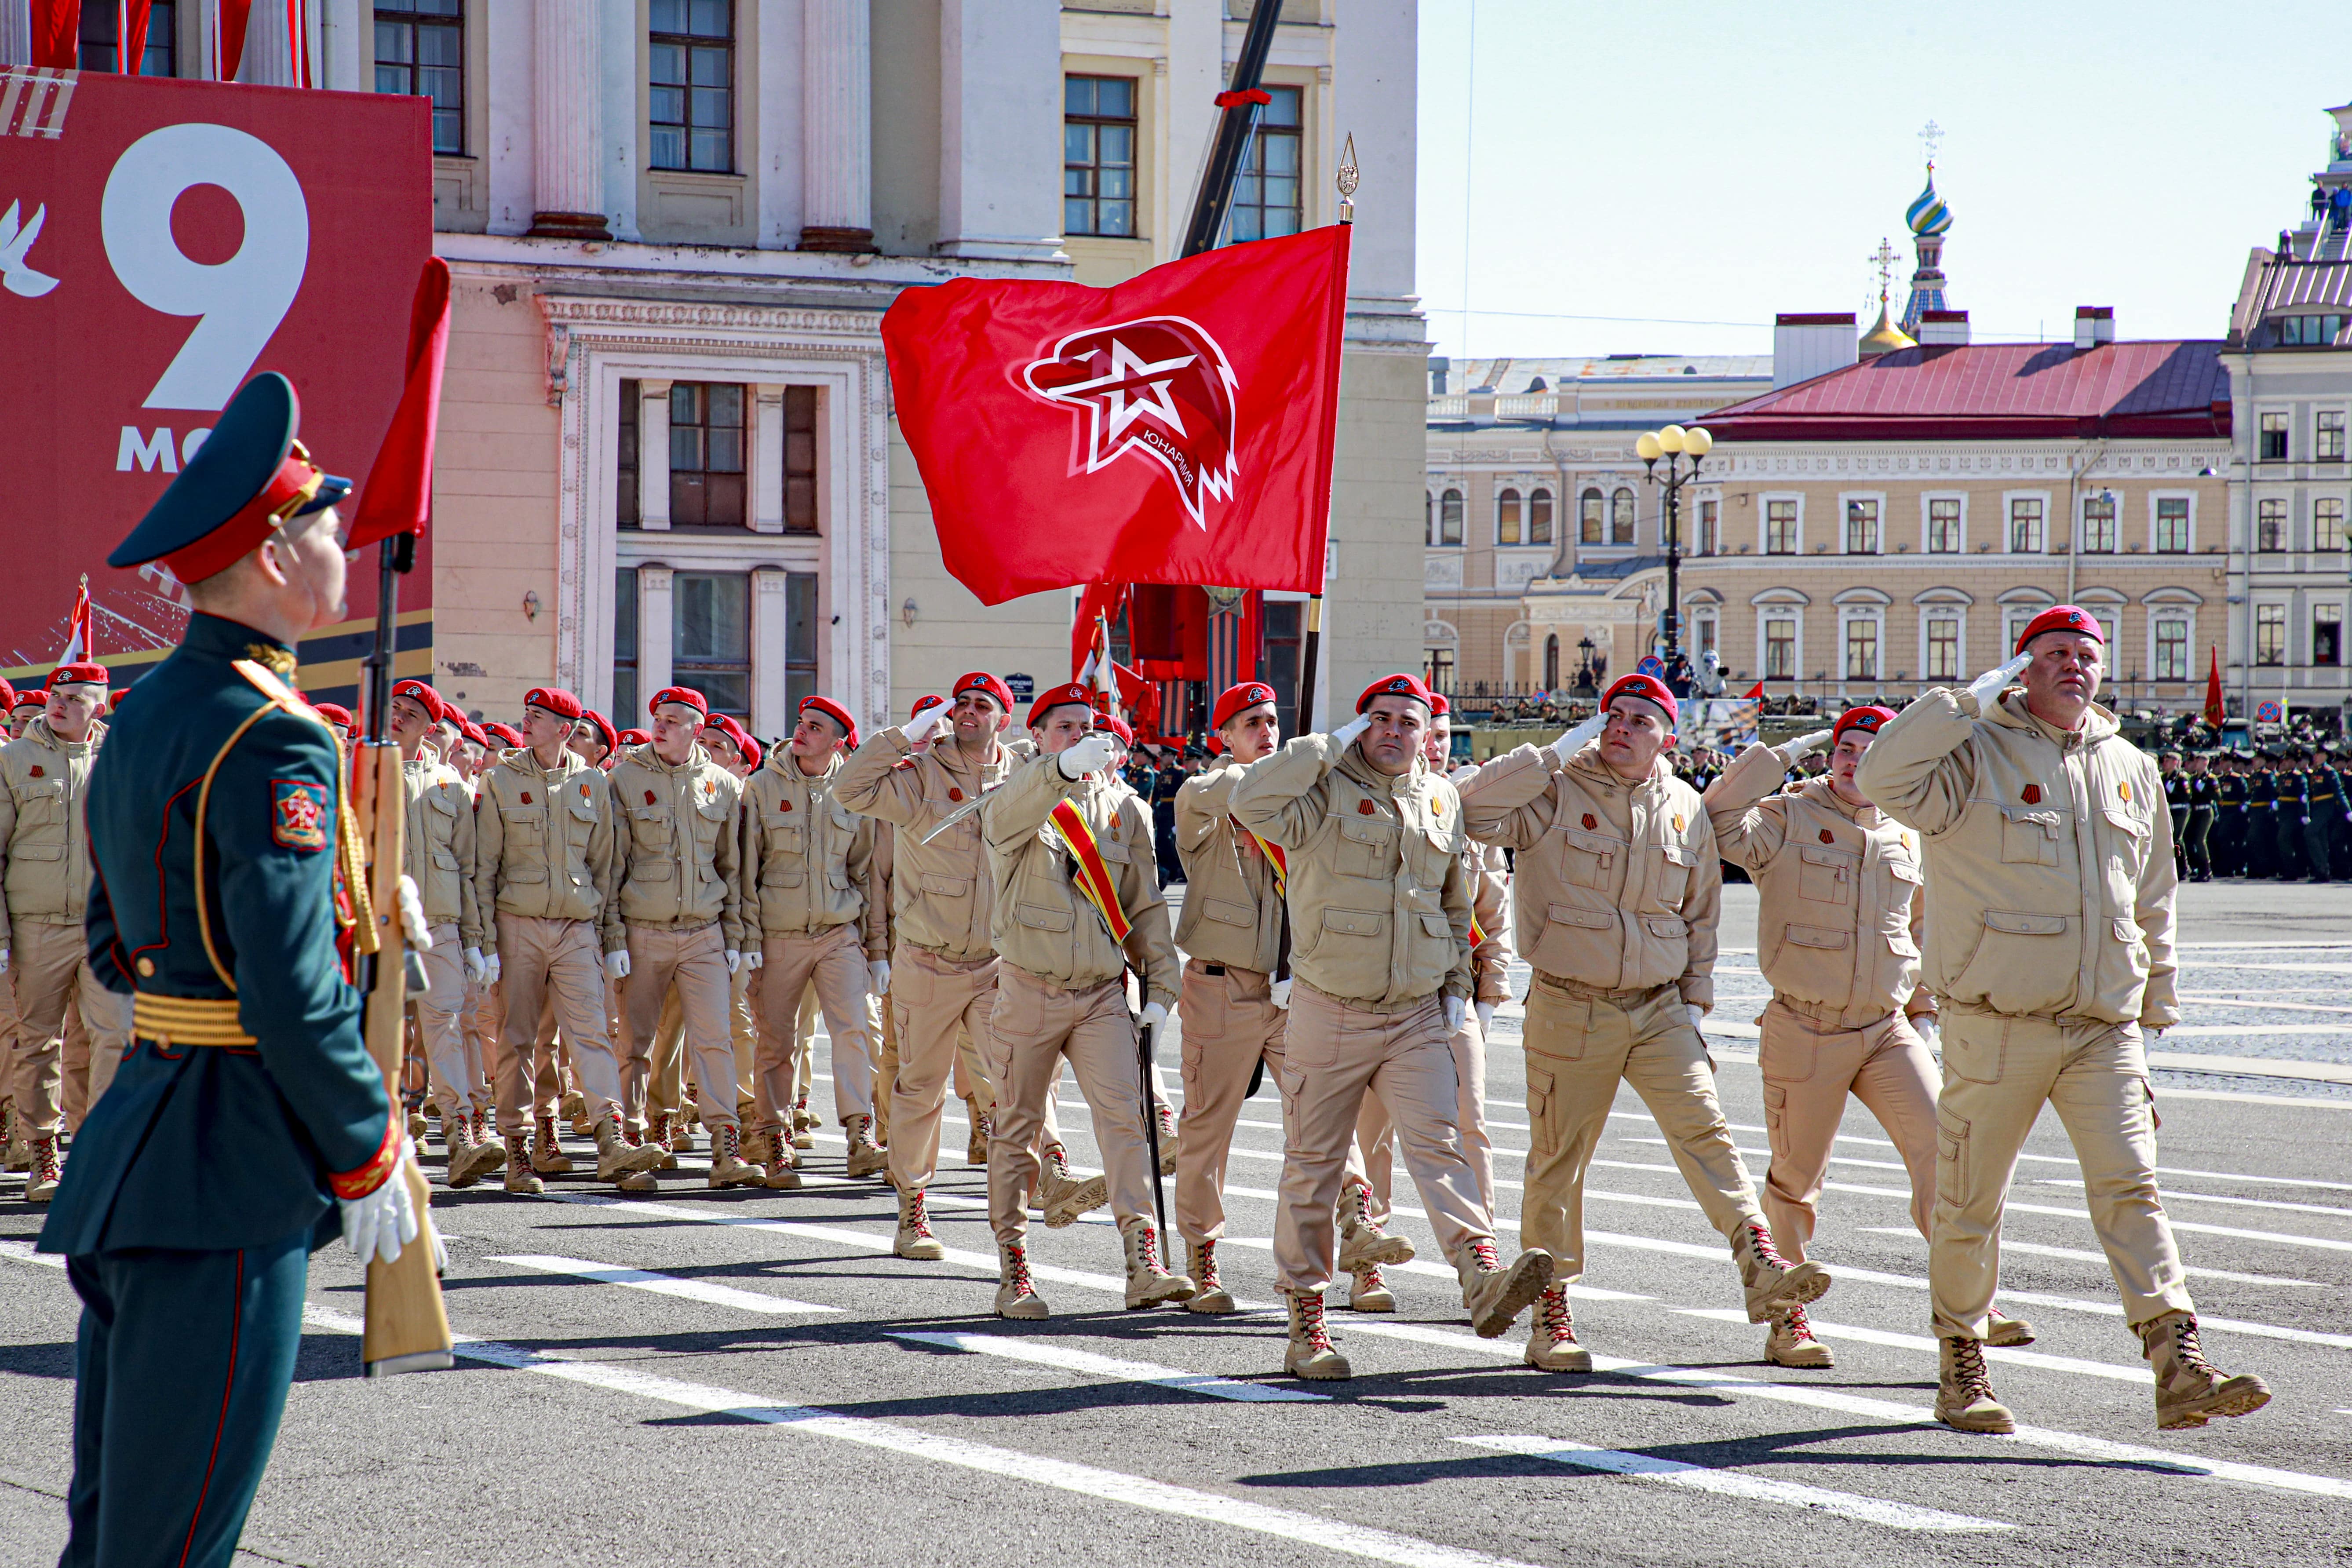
281, 695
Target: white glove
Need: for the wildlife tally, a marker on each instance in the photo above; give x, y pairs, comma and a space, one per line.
929, 719
1928, 1029
412, 916
377, 1227
616, 965
476, 968
878, 976
734, 959
1456, 1010
1697, 1015
1987, 687
1568, 745
1155, 1016
1279, 993
1806, 745
753, 958
490, 969
1485, 1016
1345, 735
1089, 755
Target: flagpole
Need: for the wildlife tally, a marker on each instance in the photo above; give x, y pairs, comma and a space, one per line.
1311, 648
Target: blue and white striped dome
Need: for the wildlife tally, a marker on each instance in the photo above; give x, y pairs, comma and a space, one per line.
1929, 216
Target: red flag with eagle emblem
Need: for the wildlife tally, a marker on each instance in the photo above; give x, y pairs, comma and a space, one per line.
1176, 428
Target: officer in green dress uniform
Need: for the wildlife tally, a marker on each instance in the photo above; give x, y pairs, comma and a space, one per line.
247, 1125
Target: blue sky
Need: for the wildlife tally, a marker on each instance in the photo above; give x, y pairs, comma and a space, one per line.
1712, 163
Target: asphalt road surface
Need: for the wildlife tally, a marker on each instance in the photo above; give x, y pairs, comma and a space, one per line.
746, 1377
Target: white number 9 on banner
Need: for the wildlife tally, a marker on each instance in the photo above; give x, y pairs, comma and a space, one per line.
242, 300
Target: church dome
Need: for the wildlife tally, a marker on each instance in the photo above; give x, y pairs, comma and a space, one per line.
1885, 337
1928, 215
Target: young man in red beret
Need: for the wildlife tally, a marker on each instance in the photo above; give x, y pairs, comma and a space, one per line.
24, 707
1380, 909
594, 738
1619, 892
2050, 930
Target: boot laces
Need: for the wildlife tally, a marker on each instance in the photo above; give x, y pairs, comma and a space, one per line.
2188, 1353
1483, 1249
1369, 1278
918, 1216
547, 1129
1204, 1264
1794, 1323
1310, 1320
1760, 1239
1969, 1369
45, 1160
1016, 1270
1553, 1317
1147, 1249
1058, 1163
986, 1125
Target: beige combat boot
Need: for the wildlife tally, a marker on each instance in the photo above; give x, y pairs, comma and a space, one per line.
975, 1143
662, 1135
1309, 1351
728, 1166
915, 1239
1771, 1281
1361, 1239
574, 1105
1209, 1292
782, 1166
1789, 1341
616, 1156
1493, 1293
1168, 1139
546, 1155
2006, 1333
520, 1181
471, 1157
1368, 1289
803, 1124
42, 1177
758, 1146
1551, 1335
1061, 1197
866, 1156
1964, 1400
2188, 1389
1015, 1297
1149, 1283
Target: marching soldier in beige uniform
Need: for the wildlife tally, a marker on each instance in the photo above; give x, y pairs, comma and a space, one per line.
45, 847
1380, 912
681, 912
438, 856
807, 869
1618, 892
1078, 903
2050, 923
544, 883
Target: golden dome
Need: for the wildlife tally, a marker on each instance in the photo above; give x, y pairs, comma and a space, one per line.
1885, 337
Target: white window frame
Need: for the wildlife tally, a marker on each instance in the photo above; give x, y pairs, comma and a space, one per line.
2186, 614
2190, 497
2344, 525
1926, 496
2343, 435
1763, 521
1876, 615
2049, 516
1494, 520
1944, 610
1847, 497
2311, 620
2083, 504
1783, 608
2285, 607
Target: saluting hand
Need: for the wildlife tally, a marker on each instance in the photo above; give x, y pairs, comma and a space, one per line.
1088, 754
923, 723
1575, 741
1345, 735
1807, 744
1987, 687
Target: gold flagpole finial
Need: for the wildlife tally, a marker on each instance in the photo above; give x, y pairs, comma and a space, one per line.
1346, 179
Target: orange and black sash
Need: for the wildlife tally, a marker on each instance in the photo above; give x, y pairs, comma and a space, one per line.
1088, 870
1274, 856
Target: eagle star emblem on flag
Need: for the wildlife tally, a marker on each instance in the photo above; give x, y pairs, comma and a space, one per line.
1160, 389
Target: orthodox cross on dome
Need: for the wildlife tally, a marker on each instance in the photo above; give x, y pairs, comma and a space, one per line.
1883, 258
1928, 138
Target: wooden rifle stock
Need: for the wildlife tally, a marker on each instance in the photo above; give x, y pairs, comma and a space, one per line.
408, 1328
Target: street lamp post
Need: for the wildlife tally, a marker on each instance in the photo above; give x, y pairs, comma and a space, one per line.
1673, 444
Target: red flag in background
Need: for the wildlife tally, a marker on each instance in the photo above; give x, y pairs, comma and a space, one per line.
131, 34
1176, 428
398, 495
2215, 709
1107, 600
81, 639
57, 33
1754, 693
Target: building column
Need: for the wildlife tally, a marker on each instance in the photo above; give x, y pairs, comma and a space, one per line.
1000, 137
568, 131
15, 33
766, 456
653, 455
772, 607
657, 635
268, 58
836, 126
347, 49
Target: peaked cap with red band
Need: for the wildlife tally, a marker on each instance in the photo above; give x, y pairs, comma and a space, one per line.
555, 701
835, 711
435, 707
77, 675
1867, 720
248, 478
1396, 686
981, 680
685, 694
1237, 699
2062, 618
604, 728
1063, 696
1649, 688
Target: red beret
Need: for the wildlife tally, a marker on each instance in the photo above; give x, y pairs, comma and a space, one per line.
686, 694
429, 700
725, 724
7, 693
1119, 727
925, 703
1866, 719
554, 699
339, 715
31, 697
1059, 697
1396, 686
1649, 688
506, 735
474, 731
2061, 618
1440, 705
635, 737
835, 711
981, 680
1248, 694
604, 726
752, 750
77, 675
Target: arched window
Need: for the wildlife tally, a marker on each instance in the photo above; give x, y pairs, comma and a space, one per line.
1620, 518
1589, 504
1506, 517
1551, 651
1449, 518
1539, 518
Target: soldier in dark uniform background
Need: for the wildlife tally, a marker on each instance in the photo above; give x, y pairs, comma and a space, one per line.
2262, 819
2293, 816
246, 1125
2203, 800
2230, 816
1162, 798
2176, 801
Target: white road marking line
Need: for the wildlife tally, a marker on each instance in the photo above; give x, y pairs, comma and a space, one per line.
1068, 1359
22, 1252
1083, 1481
2237, 1176
1926, 1346
2082, 1255
666, 1285
2174, 1194
2077, 1445
1732, 1483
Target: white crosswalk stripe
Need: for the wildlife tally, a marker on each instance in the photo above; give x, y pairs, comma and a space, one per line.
700, 1290
1069, 1358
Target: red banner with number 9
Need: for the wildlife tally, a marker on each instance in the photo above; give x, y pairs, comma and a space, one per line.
160, 242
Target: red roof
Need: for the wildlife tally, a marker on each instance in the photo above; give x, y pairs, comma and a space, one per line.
1997, 391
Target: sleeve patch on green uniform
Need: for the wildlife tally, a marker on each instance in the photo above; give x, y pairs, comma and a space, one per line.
298, 815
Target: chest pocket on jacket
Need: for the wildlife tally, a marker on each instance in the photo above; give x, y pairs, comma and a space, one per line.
1589, 859
1826, 876
525, 826
1368, 847
2029, 838
42, 802
783, 864
2126, 852
1674, 865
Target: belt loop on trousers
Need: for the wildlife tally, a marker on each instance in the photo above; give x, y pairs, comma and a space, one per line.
187, 1020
